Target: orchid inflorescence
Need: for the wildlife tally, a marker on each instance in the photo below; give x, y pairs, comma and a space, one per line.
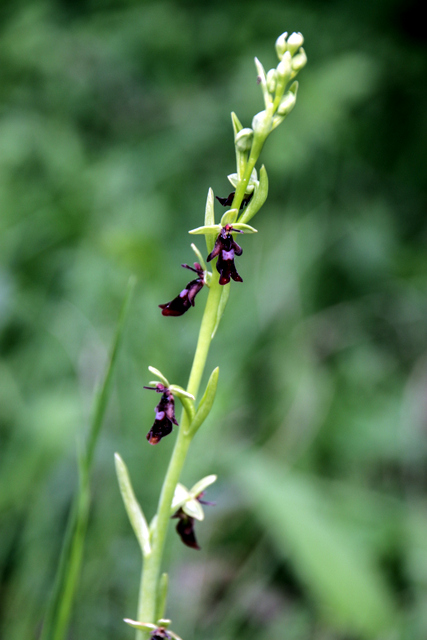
248, 195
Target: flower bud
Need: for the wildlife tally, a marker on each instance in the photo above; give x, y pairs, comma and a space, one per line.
243, 139
288, 100
295, 41
261, 123
299, 61
271, 80
281, 45
284, 68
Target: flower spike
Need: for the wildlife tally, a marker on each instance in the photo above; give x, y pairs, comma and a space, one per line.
179, 305
226, 248
165, 415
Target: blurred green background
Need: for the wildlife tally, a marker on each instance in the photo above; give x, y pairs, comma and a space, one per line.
114, 122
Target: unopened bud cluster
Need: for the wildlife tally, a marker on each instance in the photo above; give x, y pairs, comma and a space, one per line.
278, 101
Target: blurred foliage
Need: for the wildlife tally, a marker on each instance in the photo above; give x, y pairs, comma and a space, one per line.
114, 122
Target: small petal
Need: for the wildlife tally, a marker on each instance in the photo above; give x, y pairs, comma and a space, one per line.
184, 300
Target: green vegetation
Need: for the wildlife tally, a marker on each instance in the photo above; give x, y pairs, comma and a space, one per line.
114, 122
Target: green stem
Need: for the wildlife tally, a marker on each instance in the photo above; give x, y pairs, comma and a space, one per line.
152, 565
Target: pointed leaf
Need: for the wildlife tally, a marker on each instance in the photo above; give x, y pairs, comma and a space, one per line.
210, 218
225, 294
199, 256
237, 125
205, 403
258, 198
162, 594
134, 511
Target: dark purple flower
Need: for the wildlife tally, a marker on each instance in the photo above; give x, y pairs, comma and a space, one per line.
227, 202
160, 634
226, 248
185, 526
185, 299
185, 529
165, 415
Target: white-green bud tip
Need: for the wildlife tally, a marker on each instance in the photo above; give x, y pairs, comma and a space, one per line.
271, 80
244, 139
295, 41
284, 68
288, 101
281, 45
299, 60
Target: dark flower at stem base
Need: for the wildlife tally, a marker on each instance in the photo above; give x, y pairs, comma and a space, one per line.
185, 526
160, 634
179, 305
226, 248
228, 201
165, 415
185, 529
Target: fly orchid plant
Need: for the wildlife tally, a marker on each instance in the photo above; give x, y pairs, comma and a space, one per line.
250, 192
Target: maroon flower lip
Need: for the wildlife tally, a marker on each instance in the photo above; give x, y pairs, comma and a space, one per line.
185, 526
165, 415
228, 201
183, 301
226, 248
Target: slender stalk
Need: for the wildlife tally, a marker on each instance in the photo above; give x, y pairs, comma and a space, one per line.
262, 126
152, 566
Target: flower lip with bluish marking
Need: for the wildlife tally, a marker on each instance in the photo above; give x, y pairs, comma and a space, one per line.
165, 415
225, 249
184, 300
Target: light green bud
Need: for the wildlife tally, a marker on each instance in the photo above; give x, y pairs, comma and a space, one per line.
244, 139
295, 41
281, 45
299, 61
284, 69
288, 101
261, 123
271, 80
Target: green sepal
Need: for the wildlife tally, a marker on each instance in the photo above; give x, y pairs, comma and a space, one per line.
225, 294
193, 508
240, 226
159, 375
202, 484
208, 230
209, 218
180, 497
199, 257
162, 594
258, 198
142, 626
205, 404
229, 217
133, 509
163, 622
187, 399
